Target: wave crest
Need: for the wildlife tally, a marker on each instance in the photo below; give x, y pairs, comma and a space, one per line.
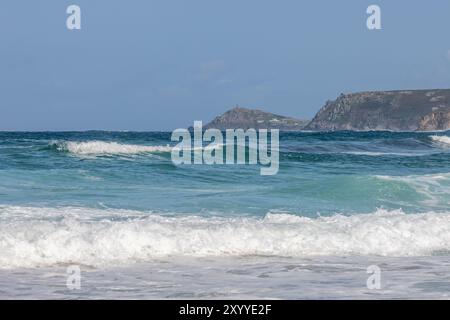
104, 148
67, 236
442, 140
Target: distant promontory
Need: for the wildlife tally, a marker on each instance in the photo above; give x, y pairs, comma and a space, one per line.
243, 118
406, 110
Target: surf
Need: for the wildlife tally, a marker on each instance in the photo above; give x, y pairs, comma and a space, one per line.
33, 237
97, 147
441, 140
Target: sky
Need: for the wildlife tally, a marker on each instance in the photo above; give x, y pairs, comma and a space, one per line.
149, 65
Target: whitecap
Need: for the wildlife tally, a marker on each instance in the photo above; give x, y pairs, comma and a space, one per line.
105, 148
441, 140
97, 238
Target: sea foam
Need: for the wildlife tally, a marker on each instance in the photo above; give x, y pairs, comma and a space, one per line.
443, 140
31, 237
102, 147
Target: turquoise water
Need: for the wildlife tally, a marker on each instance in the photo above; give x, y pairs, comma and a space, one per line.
320, 174
140, 226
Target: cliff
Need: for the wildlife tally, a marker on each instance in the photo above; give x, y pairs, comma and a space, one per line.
242, 118
412, 110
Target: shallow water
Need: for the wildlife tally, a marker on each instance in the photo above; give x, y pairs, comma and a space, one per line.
240, 278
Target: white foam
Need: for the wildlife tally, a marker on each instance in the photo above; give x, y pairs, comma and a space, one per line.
31, 237
425, 178
435, 187
442, 140
102, 147
377, 154
96, 147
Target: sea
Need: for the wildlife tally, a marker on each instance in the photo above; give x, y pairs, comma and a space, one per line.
349, 215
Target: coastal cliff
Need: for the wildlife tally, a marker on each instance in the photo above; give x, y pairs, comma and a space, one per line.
408, 110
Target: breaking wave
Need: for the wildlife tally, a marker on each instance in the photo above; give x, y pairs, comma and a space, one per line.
437, 184
442, 140
31, 237
104, 148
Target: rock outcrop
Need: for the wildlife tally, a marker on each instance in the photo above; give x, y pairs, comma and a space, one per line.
242, 118
411, 110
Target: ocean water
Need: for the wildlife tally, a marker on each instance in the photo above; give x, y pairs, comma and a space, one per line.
138, 226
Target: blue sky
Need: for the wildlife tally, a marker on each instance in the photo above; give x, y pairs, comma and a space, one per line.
160, 65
